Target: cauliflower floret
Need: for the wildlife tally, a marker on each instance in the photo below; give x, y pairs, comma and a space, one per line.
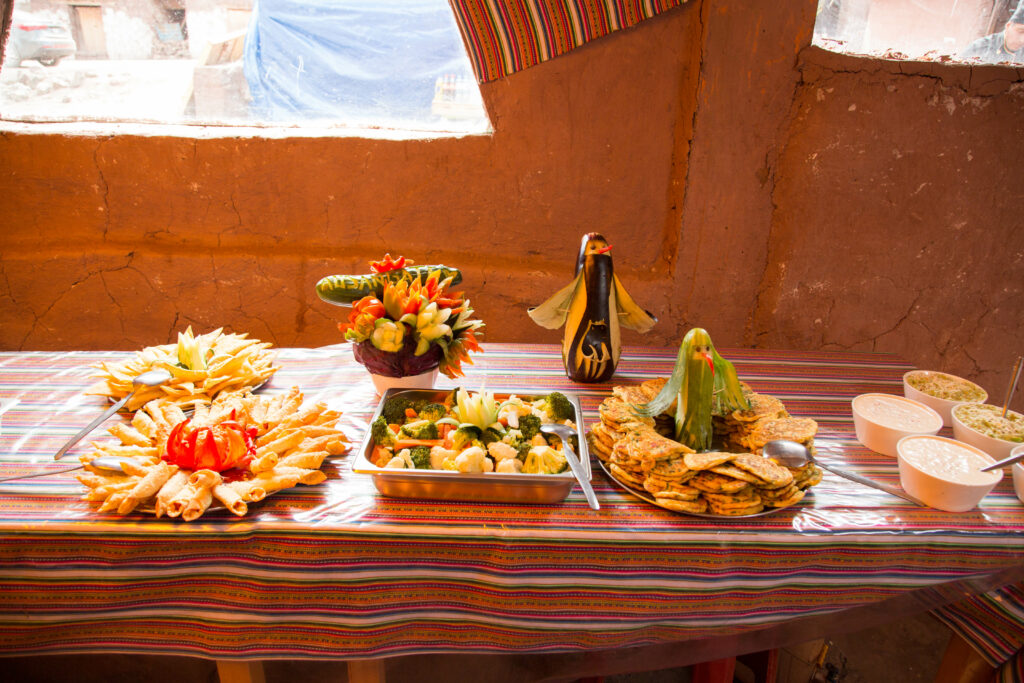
439, 455
402, 459
512, 410
538, 440
473, 459
508, 465
501, 451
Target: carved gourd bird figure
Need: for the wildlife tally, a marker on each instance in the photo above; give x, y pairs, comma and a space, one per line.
702, 384
592, 307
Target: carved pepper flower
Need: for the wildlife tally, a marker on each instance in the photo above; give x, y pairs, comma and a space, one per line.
388, 335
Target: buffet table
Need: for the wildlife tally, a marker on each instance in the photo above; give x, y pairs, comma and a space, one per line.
336, 571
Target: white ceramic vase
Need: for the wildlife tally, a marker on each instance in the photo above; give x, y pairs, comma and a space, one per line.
424, 381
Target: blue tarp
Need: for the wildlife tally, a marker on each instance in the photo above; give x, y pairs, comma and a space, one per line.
357, 59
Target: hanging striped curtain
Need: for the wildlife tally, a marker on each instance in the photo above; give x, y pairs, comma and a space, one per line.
504, 36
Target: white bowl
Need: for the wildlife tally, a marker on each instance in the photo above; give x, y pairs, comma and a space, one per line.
1018, 477
945, 474
943, 406
424, 381
881, 420
997, 448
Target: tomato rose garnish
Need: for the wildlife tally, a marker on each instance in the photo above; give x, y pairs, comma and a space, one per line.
218, 447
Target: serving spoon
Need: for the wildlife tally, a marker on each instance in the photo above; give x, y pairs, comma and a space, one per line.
793, 454
1004, 462
152, 378
565, 434
110, 463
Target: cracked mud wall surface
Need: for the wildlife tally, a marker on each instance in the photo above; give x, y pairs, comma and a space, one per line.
771, 192
113, 241
898, 222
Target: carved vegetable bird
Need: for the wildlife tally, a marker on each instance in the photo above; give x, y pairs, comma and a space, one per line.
592, 307
702, 384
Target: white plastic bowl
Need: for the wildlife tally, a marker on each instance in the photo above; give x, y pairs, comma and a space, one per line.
1018, 477
424, 381
944, 473
997, 448
942, 406
881, 420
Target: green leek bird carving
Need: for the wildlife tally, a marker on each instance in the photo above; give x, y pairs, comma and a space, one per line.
702, 384
592, 307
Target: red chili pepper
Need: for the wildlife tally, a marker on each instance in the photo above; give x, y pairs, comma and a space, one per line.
387, 264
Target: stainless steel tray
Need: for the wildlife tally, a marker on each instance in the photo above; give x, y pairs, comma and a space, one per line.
493, 487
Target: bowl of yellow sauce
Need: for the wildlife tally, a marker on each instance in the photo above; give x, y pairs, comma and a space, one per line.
941, 391
984, 425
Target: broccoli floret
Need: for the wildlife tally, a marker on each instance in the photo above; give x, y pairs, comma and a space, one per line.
420, 457
451, 398
541, 460
523, 450
432, 412
464, 436
490, 435
529, 425
381, 433
560, 407
394, 409
421, 429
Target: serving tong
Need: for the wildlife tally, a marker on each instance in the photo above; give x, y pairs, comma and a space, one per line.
566, 434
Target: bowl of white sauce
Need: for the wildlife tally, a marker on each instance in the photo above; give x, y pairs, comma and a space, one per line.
881, 420
944, 473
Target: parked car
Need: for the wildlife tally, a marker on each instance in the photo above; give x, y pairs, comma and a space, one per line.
36, 38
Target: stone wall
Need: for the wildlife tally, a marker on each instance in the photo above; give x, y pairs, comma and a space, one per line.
776, 194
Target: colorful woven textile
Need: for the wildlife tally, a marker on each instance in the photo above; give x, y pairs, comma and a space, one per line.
339, 571
1013, 670
504, 36
993, 624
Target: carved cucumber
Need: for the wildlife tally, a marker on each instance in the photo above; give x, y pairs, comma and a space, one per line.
344, 290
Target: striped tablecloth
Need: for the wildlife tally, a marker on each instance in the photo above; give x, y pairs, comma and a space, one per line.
339, 571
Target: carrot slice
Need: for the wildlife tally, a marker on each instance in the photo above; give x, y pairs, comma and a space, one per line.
411, 443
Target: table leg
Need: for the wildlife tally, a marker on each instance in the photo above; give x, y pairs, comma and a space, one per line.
230, 671
961, 664
366, 671
717, 671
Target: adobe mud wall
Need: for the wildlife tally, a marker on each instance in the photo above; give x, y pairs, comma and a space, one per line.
774, 193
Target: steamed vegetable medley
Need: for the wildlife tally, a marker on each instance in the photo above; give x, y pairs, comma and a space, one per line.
472, 433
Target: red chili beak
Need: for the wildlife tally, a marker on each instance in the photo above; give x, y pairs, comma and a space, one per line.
603, 250
711, 363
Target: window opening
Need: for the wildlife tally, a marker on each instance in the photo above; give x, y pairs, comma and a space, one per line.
394, 64
989, 31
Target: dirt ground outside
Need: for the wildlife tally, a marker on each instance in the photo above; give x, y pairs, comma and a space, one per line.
146, 90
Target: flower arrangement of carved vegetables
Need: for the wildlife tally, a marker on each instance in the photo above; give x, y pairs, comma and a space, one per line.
406, 320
